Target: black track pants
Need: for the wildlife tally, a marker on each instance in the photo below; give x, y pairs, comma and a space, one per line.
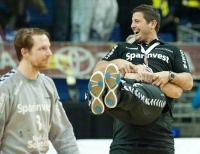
134, 149
138, 103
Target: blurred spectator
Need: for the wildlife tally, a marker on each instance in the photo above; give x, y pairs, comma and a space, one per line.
39, 5
73, 90
61, 20
187, 9
196, 99
15, 17
180, 12
93, 20
125, 14
166, 8
81, 16
71, 81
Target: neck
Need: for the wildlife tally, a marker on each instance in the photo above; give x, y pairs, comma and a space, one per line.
150, 39
28, 70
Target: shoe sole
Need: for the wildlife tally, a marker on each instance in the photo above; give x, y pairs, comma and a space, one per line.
96, 87
112, 81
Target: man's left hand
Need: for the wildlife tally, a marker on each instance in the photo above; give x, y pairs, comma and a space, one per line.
160, 78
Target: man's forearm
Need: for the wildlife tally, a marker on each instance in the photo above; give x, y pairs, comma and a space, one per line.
169, 89
172, 90
183, 80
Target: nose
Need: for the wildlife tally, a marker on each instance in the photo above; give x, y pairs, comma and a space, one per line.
48, 53
132, 25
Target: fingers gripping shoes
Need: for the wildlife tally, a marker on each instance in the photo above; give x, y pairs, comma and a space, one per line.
112, 80
96, 87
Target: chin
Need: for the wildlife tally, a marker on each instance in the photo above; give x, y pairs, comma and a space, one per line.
137, 38
43, 66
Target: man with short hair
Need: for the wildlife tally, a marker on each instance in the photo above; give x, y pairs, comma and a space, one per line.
140, 101
30, 111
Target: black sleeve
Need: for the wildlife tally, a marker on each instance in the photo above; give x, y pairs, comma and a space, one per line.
180, 61
112, 54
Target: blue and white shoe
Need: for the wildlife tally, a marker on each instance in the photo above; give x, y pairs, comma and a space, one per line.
96, 88
112, 81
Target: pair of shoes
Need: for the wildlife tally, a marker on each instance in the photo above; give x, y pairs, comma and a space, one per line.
96, 87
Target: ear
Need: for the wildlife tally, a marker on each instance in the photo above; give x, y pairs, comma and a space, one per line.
24, 52
153, 24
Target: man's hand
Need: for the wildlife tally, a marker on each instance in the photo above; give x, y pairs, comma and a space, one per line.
160, 78
144, 75
125, 66
132, 76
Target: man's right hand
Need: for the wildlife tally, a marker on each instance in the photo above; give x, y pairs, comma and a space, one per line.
125, 66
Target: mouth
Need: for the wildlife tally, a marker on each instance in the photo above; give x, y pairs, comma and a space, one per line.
136, 32
46, 60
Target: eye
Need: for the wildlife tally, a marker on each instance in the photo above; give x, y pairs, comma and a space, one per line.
43, 48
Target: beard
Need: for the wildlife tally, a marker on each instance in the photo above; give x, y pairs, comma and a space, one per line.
38, 65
